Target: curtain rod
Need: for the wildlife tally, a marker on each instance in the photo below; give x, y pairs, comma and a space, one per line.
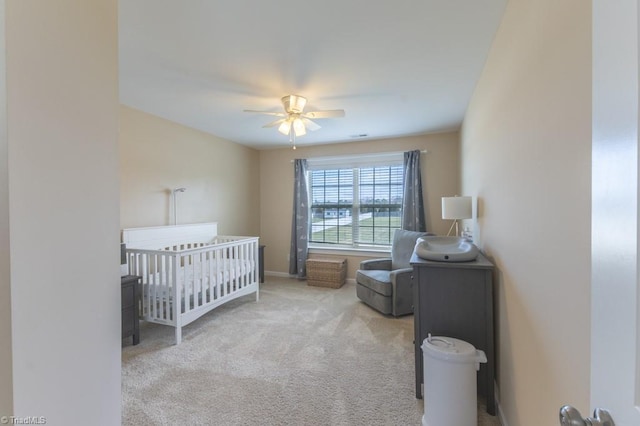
423, 151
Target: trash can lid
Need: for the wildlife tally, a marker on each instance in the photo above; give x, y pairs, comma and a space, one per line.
451, 349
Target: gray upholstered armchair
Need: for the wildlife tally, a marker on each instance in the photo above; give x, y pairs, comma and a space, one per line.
385, 284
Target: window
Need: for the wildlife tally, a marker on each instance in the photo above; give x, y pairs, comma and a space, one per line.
356, 204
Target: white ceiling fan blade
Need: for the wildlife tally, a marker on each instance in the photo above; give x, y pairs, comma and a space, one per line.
277, 114
310, 124
275, 123
330, 113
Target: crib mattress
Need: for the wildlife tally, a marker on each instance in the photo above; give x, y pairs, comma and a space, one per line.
222, 271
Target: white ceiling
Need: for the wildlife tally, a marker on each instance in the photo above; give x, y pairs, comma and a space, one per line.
397, 68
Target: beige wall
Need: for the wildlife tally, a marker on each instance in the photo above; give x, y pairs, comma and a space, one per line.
440, 177
526, 151
157, 155
62, 123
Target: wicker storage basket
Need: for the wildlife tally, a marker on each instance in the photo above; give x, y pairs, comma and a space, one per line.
326, 272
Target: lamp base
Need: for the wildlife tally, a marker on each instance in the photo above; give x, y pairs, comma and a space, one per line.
455, 223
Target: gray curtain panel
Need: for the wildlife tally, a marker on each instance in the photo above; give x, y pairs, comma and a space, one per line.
300, 221
413, 218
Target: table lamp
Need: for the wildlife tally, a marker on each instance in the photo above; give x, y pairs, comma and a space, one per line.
456, 208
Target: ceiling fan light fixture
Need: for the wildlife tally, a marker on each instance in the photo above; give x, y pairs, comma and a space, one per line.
294, 103
298, 127
285, 127
294, 122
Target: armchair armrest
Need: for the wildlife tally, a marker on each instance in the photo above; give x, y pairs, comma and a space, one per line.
401, 275
379, 264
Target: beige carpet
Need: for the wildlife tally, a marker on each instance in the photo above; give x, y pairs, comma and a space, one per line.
300, 356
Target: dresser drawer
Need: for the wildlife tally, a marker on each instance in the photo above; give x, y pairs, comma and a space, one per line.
128, 295
128, 321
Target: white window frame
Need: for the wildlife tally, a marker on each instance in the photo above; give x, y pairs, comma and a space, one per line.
346, 162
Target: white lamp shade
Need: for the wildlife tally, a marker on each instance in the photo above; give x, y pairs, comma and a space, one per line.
285, 127
298, 127
456, 208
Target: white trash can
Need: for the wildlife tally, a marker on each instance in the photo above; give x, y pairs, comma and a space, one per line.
450, 369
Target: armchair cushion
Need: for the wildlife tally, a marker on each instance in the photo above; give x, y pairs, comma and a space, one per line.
376, 280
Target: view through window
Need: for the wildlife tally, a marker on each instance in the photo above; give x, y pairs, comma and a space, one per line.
355, 207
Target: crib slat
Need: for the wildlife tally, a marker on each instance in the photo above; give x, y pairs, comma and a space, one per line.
219, 273
174, 308
163, 291
239, 274
211, 278
201, 277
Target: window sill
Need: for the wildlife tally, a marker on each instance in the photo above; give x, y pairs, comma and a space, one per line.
349, 251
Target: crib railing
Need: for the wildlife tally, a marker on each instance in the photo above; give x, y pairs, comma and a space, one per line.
183, 281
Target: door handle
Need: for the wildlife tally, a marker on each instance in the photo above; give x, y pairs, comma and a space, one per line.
570, 416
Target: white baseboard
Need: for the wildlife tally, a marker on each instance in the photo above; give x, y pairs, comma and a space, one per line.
277, 274
500, 413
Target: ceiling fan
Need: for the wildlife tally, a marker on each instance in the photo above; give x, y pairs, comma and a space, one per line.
294, 122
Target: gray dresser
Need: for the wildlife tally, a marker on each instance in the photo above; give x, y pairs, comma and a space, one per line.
455, 299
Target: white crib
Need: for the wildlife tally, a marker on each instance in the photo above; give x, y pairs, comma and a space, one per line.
188, 270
